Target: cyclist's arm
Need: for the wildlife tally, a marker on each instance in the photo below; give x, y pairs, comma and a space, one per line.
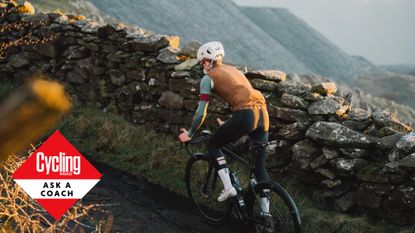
206, 84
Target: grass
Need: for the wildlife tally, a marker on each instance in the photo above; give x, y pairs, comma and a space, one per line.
142, 152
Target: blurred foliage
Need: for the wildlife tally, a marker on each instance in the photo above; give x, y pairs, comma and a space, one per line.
28, 112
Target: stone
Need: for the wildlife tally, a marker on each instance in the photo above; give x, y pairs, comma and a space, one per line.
408, 161
304, 152
168, 55
294, 88
345, 202
326, 173
92, 47
354, 153
318, 162
169, 115
358, 114
327, 105
330, 153
372, 130
337, 191
61, 19
85, 63
106, 31
287, 114
190, 49
306, 176
77, 77
118, 56
388, 142
334, 134
171, 100
47, 50
293, 101
18, 61
181, 74
294, 131
313, 96
263, 85
117, 77
74, 52
407, 143
360, 126
151, 43
271, 75
391, 167
402, 198
357, 119
386, 131
405, 146
375, 174
186, 65
36, 18
383, 118
370, 195
90, 27
329, 183
325, 88
348, 167
12, 17
279, 157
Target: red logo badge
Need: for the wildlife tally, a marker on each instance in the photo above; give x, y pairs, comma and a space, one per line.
56, 175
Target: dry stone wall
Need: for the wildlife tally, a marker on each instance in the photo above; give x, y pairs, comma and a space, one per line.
351, 160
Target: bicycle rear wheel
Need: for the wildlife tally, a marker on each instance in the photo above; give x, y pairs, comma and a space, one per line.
283, 215
203, 186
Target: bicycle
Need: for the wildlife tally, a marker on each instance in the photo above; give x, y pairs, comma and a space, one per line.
203, 188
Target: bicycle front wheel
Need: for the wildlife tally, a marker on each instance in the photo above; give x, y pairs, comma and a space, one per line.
282, 216
203, 187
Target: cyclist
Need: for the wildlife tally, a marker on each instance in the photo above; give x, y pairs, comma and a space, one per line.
249, 115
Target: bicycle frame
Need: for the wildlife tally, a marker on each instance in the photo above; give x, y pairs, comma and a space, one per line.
253, 186
228, 151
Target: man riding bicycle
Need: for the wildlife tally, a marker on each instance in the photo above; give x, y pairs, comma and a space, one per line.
249, 115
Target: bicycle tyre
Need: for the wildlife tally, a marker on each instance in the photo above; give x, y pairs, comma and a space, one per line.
197, 170
283, 209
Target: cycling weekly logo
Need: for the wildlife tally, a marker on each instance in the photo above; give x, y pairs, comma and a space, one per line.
56, 175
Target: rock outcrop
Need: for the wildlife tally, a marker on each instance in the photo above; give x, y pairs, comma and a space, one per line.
353, 160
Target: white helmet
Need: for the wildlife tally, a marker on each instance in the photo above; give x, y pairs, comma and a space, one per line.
211, 50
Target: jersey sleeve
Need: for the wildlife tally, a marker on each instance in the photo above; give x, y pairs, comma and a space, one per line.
200, 114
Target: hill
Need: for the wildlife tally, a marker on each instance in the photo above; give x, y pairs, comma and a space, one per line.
393, 86
261, 37
307, 44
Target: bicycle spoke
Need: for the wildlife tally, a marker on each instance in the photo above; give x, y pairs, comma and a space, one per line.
278, 218
202, 188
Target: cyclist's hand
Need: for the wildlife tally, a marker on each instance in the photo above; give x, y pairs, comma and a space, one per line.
184, 136
219, 121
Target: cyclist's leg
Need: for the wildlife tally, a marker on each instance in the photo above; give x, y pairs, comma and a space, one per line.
259, 137
234, 128
239, 124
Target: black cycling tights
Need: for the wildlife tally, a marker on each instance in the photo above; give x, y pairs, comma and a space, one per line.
253, 122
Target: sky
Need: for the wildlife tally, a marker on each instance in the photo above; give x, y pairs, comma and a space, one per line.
382, 31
